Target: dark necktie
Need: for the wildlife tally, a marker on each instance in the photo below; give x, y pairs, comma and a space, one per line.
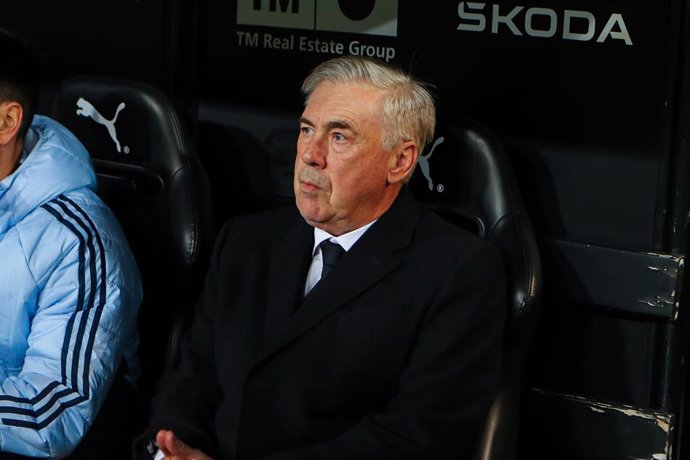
330, 254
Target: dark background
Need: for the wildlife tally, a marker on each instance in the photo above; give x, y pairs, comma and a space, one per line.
597, 132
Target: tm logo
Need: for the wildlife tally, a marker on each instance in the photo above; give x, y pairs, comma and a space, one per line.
86, 109
370, 17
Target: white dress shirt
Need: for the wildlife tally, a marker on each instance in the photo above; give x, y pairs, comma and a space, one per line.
346, 241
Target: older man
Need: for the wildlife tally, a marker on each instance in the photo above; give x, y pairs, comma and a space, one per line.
394, 354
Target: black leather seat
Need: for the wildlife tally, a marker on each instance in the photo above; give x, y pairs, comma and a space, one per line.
239, 166
466, 176
249, 154
150, 176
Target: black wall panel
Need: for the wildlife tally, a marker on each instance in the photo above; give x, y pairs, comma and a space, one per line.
123, 38
590, 98
573, 110
578, 89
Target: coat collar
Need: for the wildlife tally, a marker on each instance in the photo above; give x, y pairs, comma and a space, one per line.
367, 262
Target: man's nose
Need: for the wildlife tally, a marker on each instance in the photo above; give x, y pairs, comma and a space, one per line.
314, 153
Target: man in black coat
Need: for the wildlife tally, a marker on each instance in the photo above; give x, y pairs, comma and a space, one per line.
394, 354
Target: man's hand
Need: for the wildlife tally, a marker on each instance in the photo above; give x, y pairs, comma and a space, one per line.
175, 449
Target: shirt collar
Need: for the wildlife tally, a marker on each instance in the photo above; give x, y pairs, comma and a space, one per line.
346, 240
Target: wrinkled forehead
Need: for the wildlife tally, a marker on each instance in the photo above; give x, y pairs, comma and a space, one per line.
340, 86
353, 98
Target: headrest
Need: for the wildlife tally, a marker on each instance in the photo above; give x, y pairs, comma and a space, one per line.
466, 169
466, 172
122, 121
146, 162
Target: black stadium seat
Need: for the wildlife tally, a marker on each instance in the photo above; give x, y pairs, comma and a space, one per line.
249, 155
150, 176
466, 176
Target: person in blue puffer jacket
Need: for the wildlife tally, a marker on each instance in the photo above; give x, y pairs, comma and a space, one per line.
69, 286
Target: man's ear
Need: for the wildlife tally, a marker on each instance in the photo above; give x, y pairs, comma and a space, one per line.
402, 162
11, 115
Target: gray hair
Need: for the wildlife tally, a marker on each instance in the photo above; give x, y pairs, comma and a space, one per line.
408, 107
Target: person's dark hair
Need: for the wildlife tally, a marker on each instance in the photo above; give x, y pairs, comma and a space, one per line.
20, 75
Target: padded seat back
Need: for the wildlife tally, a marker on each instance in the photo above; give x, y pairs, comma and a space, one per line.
242, 175
249, 154
150, 176
466, 176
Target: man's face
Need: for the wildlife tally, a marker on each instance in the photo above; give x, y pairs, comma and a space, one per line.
341, 167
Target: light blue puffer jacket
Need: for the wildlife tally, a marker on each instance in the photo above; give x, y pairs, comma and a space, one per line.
69, 295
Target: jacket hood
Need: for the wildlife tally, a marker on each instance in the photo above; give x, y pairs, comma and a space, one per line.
54, 162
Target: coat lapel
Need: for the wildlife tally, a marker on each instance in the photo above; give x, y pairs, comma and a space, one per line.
289, 263
368, 261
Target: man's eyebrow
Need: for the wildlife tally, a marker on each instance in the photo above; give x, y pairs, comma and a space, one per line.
334, 124
339, 124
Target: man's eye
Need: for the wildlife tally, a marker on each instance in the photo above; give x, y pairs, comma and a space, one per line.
338, 137
306, 129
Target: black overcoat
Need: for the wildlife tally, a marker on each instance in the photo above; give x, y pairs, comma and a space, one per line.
396, 354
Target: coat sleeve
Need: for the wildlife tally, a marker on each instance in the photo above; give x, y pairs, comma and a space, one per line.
80, 317
447, 386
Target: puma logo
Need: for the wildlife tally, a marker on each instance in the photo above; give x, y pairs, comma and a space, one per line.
86, 109
423, 162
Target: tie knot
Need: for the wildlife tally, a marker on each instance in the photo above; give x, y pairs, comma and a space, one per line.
330, 254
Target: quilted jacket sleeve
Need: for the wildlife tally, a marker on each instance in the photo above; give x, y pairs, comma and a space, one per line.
80, 317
